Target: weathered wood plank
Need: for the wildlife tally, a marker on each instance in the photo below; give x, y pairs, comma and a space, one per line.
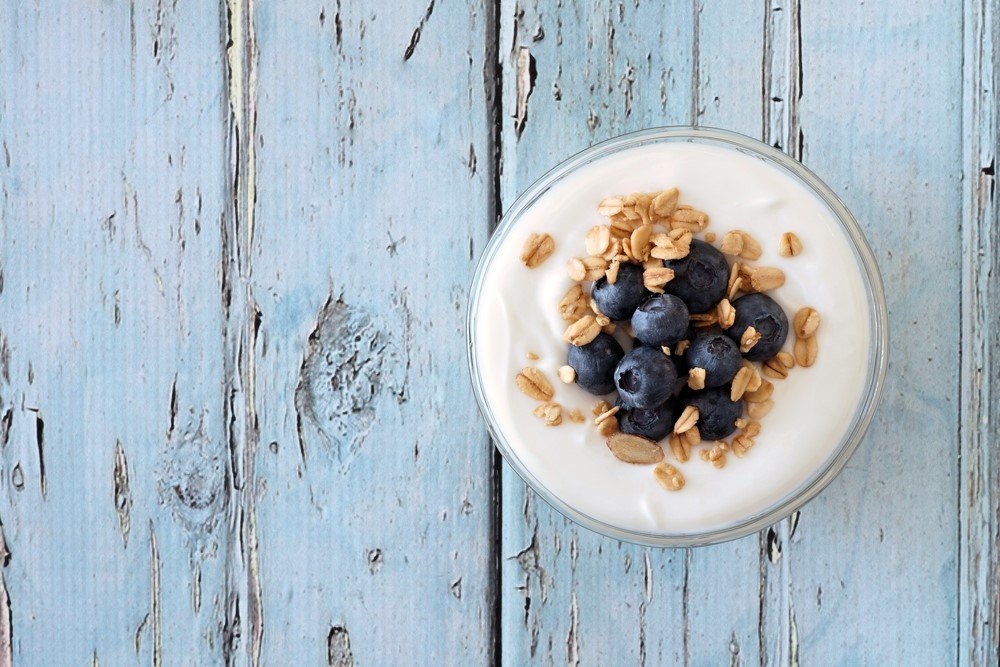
112, 211
373, 475
872, 568
569, 595
725, 615
979, 482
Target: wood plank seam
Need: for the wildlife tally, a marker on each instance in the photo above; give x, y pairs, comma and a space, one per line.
781, 91
6, 617
243, 581
978, 641
696, 110
493, 92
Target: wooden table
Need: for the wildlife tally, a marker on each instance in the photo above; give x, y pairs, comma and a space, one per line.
235, 248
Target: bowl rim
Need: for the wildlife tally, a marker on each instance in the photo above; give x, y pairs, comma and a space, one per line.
877, 310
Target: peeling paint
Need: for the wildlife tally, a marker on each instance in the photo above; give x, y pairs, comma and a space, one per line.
139, 630
647, 576
686, 607
573, 636
6, 423
415, 37
243, 320
196, 589
173, 408
40, 446
526, 73
627, 81
122, 493
4, 358
232, 630
793, 638
6, 615
978, 425
642, 633
338, 28
154, 602
374, 560
242, 54
773, 545
338, 647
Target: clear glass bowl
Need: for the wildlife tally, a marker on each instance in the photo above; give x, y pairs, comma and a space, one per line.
878, 343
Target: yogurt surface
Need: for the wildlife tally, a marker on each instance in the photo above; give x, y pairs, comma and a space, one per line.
518, 315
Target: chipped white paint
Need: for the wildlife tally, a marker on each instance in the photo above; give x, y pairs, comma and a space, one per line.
235, 241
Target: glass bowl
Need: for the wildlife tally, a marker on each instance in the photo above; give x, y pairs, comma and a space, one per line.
877, 348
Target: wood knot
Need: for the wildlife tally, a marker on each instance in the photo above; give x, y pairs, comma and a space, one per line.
193, 478
350, 367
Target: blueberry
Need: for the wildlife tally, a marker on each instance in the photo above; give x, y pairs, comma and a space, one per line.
619, 301
763, 314
717, 414
653, 423
595, 363
662, 319
701, 278
680, 363
645, 378
682, 371
717, 354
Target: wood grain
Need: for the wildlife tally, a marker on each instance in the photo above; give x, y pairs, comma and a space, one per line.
896, 502
372, 477
113, 202
979, 430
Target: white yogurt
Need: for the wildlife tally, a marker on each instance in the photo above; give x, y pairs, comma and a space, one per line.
813, 408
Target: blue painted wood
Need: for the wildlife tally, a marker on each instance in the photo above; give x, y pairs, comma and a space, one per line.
235, 243
113, 462
979, 490
373, 471
880, 543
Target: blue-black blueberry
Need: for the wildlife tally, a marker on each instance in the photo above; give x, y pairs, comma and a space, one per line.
765, 315
701, 278
595, 363
653, 423
619, 300
717, 354
660, 320
717, 414
645, 378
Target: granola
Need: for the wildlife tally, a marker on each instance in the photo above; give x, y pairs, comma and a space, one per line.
649, 230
